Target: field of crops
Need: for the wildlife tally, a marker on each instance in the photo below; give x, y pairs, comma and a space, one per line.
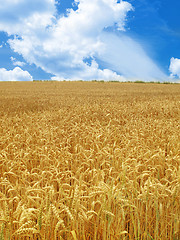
89, 161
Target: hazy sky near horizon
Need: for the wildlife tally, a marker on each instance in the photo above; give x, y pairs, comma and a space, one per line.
83, 39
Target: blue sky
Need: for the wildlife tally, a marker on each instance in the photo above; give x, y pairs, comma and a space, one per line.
97, 39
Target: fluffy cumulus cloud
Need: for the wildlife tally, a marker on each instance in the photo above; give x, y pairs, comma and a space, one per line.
60, 45
23, 16
174, 67
17, 74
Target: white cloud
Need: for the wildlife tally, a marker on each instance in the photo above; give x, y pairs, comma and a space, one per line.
17, 63
61, 48
1, 46
92, 72
22, 16
174, 67
125, 55
60, 45
17, 74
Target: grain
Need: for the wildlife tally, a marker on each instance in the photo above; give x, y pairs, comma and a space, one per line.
82, 160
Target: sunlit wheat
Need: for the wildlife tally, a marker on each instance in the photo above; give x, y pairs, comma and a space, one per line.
89, 161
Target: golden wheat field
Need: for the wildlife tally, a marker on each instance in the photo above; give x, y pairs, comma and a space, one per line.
89, 161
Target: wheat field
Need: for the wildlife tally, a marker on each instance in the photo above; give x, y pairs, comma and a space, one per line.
89, 161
